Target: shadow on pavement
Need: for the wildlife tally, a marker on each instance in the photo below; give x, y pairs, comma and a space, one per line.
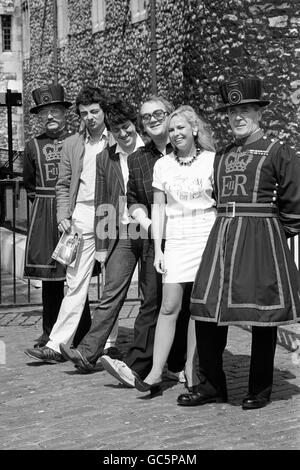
236, 367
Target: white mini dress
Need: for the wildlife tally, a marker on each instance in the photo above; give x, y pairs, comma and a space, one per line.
190, 212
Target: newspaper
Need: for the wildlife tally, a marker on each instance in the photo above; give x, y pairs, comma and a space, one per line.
67, 248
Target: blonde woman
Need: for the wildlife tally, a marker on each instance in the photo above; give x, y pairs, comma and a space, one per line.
183, 213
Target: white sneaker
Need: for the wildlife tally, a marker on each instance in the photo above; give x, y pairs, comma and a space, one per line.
178, 376
119, 370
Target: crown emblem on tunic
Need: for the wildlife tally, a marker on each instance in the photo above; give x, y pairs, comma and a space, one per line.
52, 151
237, 161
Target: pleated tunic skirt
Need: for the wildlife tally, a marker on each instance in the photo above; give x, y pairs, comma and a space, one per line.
248, 275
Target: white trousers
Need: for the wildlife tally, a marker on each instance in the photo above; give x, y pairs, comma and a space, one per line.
78, 279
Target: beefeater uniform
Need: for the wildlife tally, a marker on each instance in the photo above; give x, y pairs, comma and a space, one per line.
247, 274
40, 172
41, 159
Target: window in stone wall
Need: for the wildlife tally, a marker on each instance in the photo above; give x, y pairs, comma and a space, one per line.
138, 10
6, 32
63, 22
26, 29
98, 15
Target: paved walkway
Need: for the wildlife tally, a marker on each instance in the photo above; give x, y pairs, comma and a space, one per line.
55, 407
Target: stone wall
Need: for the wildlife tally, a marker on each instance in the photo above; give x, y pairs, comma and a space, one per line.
199, 43
246, 38
118, 58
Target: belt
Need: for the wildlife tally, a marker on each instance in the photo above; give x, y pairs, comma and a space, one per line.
233, 209
40, 191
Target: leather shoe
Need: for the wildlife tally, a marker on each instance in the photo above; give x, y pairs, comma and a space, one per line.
192, 388
199, 398
45, 354
142, 386
252, 402
41, 341
40, 344
75, 356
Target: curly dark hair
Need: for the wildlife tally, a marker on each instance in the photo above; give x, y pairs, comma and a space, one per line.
119, 111
90, 94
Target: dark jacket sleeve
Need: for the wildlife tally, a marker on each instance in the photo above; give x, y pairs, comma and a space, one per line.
102, 209
136, 196
287, 166
29, 170
131, 193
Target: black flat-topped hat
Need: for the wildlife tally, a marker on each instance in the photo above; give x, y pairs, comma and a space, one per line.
49, 94
241, 91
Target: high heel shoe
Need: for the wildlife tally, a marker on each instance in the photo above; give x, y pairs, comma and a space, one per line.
142, 386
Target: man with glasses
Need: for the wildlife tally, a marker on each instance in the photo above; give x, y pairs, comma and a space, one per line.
158, 115
75, 193
40, 171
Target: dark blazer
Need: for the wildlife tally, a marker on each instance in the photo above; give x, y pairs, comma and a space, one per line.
139, 187
110, 198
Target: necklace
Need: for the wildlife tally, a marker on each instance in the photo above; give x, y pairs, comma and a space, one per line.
188, 162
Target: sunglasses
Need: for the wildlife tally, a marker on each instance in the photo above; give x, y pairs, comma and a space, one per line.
158, 115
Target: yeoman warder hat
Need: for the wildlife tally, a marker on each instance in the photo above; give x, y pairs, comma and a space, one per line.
48, 94
241, 91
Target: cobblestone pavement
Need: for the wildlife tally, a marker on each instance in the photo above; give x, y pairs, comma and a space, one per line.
55, 407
